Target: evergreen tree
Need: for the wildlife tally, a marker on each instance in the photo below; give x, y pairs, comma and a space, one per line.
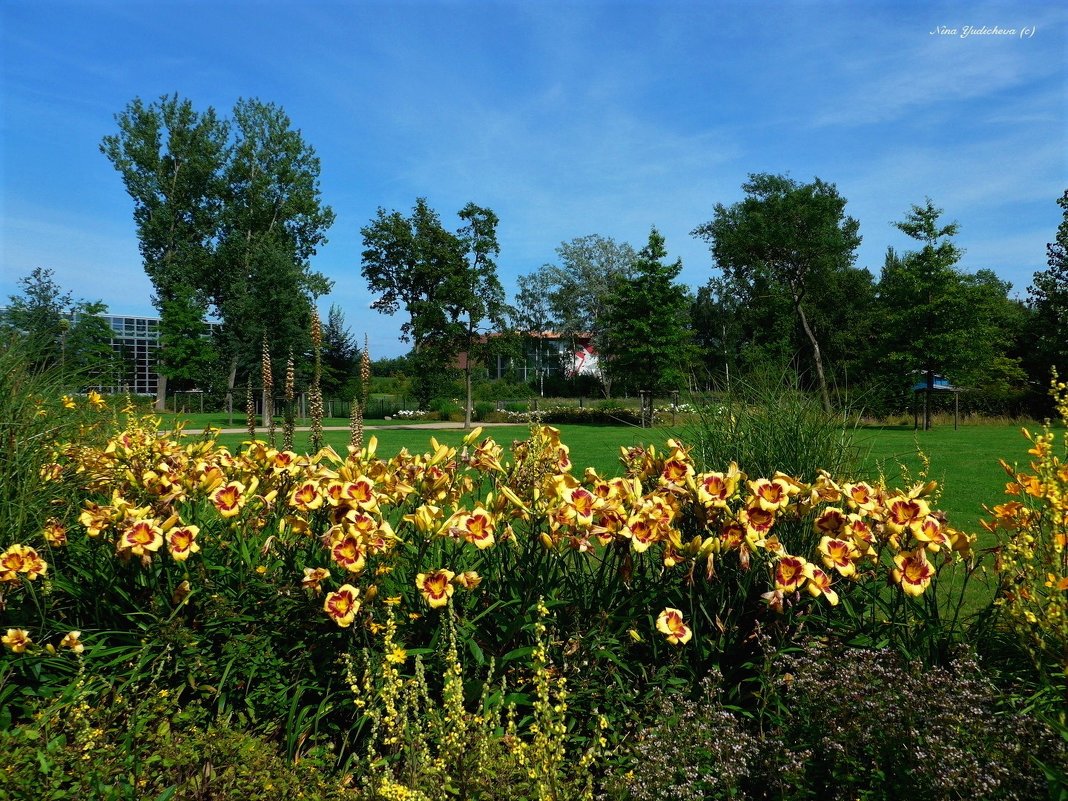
648, 344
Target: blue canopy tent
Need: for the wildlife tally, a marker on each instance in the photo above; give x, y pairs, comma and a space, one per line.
932, 382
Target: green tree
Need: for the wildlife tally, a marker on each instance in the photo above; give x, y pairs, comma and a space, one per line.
531, 317
187, 353
414, 263
580, 286
480, 296
273, 221
1049, 300
934, 317
228, 215
340, 354
41, 312
64, 332
171, 159
646, 341
88, 350
785, 235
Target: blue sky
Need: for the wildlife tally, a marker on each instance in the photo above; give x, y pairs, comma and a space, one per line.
567, 119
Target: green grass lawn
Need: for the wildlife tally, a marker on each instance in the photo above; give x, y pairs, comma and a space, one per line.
590, 446
964, 462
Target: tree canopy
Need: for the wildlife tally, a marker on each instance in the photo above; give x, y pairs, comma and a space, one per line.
446, 283
1049, 299
228, 215
784, 235
933, 316
62, 331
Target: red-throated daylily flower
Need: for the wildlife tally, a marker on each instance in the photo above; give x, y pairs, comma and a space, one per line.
715, 489
902, 513
859, 531
770, 494
144, 535
229, 499
670, 623
757, 521
677, 470
789, 573
17, 640
931, 532
312, 577
582, 502
641, 533
839, 554
469, 579
181, 541
342, 605
862, 497
913, 571
831, 522
476, 528
819, 583
435, 586
55, 533
11, 562
361, 492
306, 497
73, 640
32, 564
347, 551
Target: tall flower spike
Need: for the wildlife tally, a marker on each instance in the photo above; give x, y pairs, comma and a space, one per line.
356, 424
359, 402
290, 394
268, 391
250, 411
315, 400
365, 373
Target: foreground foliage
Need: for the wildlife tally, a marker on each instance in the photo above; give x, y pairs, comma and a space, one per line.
479, 622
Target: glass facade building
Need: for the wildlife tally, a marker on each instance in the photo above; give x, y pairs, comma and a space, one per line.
135, 341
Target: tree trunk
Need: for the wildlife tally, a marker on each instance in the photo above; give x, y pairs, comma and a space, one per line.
230, 383
824, 393
161, 393
467, 381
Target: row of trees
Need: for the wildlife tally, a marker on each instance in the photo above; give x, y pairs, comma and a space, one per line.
229, 213
788, 293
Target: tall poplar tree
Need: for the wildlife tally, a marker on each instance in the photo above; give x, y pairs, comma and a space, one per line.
171, 159
228, 215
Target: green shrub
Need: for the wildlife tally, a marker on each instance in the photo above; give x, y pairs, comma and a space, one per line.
483, 410
118, 747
